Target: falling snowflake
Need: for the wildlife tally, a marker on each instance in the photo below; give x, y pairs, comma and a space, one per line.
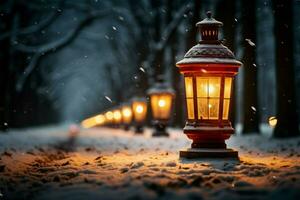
235, 19
107, 37
121, 18
108, 99
203, 70
142, 69
250, 42
254, 64
253, 108
114, 28
272, 121
5, 124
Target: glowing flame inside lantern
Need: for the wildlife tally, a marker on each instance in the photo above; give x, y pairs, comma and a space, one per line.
127, 112
161, 103
139, 109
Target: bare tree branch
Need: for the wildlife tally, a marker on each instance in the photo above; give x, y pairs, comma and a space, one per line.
52, 46
37, 27
167, 33
33, 62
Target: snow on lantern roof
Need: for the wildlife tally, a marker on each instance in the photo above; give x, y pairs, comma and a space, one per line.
210, 49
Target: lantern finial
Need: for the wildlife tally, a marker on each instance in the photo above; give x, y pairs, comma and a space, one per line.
208, 14
209, 29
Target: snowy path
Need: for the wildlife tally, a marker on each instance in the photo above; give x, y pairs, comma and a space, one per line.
102, 163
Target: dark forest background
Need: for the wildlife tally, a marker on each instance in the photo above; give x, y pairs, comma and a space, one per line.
61, 60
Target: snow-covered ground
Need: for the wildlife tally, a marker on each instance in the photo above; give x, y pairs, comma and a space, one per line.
103, 163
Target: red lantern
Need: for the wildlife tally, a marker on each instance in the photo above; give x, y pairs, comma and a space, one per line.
208, 69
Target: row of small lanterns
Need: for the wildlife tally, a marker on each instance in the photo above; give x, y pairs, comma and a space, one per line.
135, 112
208, 68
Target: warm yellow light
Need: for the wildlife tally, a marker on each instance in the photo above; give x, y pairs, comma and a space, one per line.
208, 97
161, 103
100, 119
139, 109
109, 115
126, 114
93, 121
189, 97
227, 94
210, 90
272, 121
117, 116
88, 123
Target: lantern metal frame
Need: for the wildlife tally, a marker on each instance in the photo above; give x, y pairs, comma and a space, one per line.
209, 58
161, 88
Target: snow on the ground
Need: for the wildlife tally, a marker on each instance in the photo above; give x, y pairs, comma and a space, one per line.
104, 163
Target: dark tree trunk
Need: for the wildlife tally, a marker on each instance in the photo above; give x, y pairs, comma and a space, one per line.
228, 19
158, 60
287, 116
191, 40
178, 118
193, 31
250, 107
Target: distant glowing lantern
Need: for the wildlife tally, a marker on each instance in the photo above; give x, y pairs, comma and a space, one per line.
208, 69
97, 120
126, 116
100, 119
109, 116
139, 109
117, 117
161, 96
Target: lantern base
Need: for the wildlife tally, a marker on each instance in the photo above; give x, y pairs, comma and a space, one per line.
126, 127
194, 153
139, 129
160, 134
160, 130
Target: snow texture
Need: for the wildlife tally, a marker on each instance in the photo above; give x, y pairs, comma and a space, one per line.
103, 163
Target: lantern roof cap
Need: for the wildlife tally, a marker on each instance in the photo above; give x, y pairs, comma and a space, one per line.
161, 87
210, 49
209, 53
209, 21
139, 98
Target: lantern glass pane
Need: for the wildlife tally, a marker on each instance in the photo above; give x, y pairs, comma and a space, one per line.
202, 108
208, 95
226, 108
227, 88
140, 110
161, 106
190, 108
213, 108
189, 97
208, 87
202, 87
214, 84
189, 87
